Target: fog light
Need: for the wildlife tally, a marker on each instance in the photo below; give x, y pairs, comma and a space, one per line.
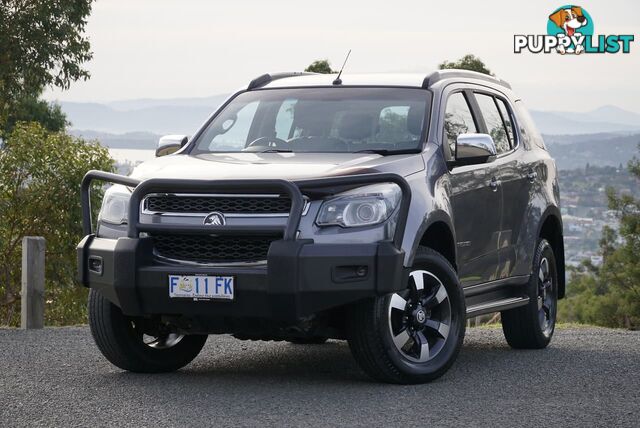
350, 273
95, 264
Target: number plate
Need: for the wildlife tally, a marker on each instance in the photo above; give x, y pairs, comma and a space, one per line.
199, 287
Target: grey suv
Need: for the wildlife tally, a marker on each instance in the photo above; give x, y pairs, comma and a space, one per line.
380, 209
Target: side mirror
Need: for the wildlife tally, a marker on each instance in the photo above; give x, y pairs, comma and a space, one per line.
170, 144
474, 149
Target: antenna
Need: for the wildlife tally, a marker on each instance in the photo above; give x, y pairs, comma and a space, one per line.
338, 81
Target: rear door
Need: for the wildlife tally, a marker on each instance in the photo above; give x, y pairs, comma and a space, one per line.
514, 174
476, 196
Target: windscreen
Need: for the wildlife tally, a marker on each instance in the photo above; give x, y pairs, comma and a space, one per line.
384, 120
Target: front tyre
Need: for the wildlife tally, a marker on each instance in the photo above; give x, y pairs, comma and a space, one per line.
139, 345
412, 336
532, 326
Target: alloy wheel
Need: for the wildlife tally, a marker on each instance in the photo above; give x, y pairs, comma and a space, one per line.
162, 339
546, 298
162, 342
420, 317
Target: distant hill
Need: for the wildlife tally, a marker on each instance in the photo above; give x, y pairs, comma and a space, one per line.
603, 119
209, 102
576, 151
173, 116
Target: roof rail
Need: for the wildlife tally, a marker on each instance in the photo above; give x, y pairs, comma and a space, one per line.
436, 76
270, 77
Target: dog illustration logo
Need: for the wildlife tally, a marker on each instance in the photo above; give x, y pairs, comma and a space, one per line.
185, 285
569, 19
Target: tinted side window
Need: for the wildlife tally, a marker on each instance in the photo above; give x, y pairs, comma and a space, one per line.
493, 120
457, 119
508, 121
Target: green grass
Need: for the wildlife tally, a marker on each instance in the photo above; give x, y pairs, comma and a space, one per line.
66, 306
559, 326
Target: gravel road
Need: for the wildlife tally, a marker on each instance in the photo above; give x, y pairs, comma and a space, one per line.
56, 377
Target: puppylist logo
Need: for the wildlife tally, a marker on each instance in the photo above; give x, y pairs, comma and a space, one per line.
570, 31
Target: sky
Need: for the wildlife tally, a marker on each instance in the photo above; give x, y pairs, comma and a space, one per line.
194, 48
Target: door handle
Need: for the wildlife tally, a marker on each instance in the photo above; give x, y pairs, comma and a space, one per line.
494, 183
532, 175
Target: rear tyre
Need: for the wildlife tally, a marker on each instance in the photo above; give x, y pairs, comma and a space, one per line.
138, 345
532, 326
412, 336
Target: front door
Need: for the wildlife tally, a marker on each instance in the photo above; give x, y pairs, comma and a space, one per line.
476, 197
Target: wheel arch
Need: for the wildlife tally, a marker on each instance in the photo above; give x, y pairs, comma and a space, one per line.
438, 234
550, 228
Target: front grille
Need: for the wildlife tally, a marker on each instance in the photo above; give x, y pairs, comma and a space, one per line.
213, 249
225, 204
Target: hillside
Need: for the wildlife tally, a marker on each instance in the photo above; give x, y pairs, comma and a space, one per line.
159, 116
576, 151
154, 119
603, 119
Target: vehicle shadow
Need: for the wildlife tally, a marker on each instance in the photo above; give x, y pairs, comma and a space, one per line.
234, 362
268, 362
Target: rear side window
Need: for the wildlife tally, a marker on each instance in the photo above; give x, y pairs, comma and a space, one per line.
493, 120
508, 121
457, 119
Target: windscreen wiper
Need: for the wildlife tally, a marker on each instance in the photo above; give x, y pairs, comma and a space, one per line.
376, 151
385, 152
272, 150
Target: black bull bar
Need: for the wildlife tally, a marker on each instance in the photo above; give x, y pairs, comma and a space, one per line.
294, 189
330, 185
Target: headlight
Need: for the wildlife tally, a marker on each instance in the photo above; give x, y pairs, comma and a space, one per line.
363, 206
115, 205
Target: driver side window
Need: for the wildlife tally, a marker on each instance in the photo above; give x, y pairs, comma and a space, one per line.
457, 120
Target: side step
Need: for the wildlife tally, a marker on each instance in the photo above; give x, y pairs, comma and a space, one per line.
497, 306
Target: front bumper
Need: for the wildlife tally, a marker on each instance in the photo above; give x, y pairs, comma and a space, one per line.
300, 278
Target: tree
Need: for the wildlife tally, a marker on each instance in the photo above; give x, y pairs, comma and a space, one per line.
31, 109
467, 62
321, 66
40, 175
41, 44
610, 295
